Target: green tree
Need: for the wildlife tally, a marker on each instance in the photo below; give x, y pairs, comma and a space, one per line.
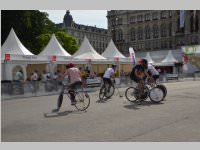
68, 43
27, 24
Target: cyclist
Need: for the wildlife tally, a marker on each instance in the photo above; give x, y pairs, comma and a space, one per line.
138, 74
74, 77
109, 73
150, 70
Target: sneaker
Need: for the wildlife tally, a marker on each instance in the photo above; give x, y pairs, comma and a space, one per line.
55, 110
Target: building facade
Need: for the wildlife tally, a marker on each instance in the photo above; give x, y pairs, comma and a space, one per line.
98, 37
148, 30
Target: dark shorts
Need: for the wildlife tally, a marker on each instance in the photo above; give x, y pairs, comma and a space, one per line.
136, 79
75, 85
107, 80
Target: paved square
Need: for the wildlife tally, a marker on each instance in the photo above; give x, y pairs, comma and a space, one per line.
176, 119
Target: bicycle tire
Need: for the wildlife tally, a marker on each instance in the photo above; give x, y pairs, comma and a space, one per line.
156, 95
102, 93
110, 93
130, 95
82, 101
163, 87
134, 98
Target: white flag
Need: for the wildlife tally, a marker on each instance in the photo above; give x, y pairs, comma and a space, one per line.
132, 55
182, 18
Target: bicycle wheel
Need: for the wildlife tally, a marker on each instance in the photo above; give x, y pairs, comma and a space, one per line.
102, 93
130, 94
82, 100
163, 87
156, 95
109, 92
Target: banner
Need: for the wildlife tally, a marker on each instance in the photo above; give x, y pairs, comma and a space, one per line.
7, 57
182, 18
132, 55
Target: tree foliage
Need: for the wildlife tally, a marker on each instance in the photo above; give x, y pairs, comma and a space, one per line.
67, 42
30, 26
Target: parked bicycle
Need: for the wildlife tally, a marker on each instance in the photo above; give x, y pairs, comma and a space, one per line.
155, 93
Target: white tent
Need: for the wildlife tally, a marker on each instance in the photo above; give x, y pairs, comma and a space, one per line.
18, 55
86, 51
112, 52
149, 59
169, 59
54, 48
12, 45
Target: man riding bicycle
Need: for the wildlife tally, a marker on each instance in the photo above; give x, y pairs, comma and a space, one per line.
140, 72
73, 75
150, 70
109, 73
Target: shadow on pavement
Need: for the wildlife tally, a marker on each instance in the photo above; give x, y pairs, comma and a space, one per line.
60, 114
138, 104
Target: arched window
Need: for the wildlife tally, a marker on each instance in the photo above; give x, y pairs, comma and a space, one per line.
140, 33
133, 36
155, 31
163, 30
14, 71
147, 32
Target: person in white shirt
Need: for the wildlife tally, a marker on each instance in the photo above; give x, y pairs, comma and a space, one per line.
109, 73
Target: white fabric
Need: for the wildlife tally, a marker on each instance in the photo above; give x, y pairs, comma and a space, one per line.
149, 59
152, 70
111, 51
12, 45
169, 58
108, 73
86, 51
54, 48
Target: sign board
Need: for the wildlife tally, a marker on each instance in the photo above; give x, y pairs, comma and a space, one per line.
7, 57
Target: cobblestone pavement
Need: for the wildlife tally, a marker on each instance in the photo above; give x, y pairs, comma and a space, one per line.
175, 119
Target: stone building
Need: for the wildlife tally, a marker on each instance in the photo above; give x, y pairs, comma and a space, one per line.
148, 30
98, 37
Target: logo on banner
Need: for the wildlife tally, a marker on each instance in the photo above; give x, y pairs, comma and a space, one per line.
7, 57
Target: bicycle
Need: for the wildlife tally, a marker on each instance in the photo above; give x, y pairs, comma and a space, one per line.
150, 81
106, 93
155, 94
81, 96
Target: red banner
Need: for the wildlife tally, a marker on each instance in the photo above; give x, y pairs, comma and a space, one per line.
53, 58
7, 57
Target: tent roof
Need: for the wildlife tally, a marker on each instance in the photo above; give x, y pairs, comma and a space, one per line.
86, 51
111, 51
169, 58
149, 59
12, 45
54, 48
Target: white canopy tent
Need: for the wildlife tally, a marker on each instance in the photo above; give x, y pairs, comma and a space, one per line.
149, 59
169, 59
86, 51
54, 48
12, 45
55, 53
112, 52
18, 56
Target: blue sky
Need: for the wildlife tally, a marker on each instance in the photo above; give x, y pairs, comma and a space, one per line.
85, 17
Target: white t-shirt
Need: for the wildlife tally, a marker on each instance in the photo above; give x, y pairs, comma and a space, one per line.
152, 70
108, 73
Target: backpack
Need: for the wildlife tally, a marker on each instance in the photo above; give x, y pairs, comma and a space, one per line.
132, 74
